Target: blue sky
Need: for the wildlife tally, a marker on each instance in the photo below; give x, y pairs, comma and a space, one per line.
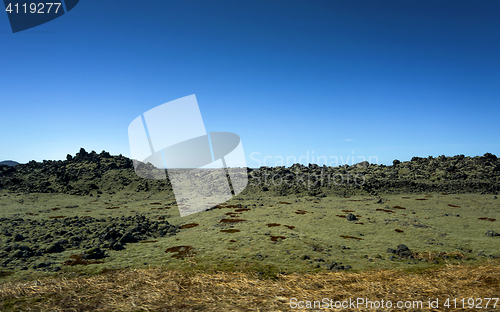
338, 79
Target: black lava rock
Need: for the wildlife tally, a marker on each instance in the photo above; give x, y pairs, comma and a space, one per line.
402, 248
338, 266
351, 217
58, 235
57, 246
18, 237
402, 251
490, 233
94, 253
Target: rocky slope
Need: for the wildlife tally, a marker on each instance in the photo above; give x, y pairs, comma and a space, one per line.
83, 174
25, 242
92, 174
457, 174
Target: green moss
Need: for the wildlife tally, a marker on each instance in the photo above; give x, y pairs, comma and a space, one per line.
403, 171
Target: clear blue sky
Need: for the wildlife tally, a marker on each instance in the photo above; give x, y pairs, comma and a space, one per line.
387, 79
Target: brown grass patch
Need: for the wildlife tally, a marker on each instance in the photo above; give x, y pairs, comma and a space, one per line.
230, 231
405, 197
242, 209
454, 206
302, 211
168, 290
398, 207
116, 207
148, 241
291, 227
275, 238
181, 251
420, 198
231, 220
6, 273
273, 224
399, 231
346, 236
489, 219
384, 210
188, 226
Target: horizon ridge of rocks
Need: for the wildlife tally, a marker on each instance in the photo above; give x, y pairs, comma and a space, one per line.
92, 173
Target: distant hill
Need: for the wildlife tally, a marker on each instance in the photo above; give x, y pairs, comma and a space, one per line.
9, 163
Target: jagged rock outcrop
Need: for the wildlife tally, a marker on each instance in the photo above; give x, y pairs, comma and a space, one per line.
92, 174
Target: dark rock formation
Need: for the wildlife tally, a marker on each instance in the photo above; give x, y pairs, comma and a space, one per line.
84, 174
402, 251
93, 174
57, 235
351, 217
457, 174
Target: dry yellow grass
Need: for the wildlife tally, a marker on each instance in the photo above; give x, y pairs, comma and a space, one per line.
165, 290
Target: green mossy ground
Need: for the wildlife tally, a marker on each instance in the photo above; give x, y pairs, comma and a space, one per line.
430, 227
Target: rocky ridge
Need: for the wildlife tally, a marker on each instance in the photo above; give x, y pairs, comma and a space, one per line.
92, 174
457, 174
